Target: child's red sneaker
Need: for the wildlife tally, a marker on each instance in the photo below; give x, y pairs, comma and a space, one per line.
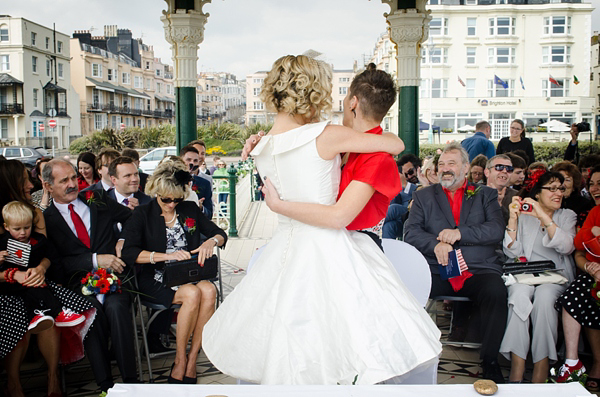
68, 318
40, 322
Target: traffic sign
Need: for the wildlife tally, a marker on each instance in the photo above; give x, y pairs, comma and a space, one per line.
41, 125
52, 123
52, 112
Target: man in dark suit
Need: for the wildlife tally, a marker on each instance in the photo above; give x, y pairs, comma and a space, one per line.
200, 186
129, 152
103, 160
455, 214
80, 225
125, 179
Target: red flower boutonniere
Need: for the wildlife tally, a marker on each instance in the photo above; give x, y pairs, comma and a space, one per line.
190, 225
472, 191
90, 198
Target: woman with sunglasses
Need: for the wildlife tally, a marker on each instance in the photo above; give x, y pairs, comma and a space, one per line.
538, 229
171, 229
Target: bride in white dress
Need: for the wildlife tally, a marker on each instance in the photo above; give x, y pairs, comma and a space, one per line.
321, 306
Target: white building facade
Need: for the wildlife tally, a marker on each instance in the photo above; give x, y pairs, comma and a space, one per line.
35, 86
498, 62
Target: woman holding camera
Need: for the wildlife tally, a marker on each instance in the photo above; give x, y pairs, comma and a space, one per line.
538, 229
170, 229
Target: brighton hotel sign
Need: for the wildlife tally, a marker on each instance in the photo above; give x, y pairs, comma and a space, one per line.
515, 102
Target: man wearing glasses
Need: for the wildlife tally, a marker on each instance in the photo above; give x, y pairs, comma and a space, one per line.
498, 171
408, 166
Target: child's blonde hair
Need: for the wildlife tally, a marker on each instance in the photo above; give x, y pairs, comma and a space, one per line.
16, 212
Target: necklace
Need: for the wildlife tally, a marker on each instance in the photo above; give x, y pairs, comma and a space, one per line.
172, 219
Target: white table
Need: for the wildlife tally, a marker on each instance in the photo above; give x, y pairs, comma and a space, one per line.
512, 390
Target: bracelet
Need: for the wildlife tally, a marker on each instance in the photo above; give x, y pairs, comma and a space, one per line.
216, 240
549, 224
7, 275
11, 275
510, 230
152, 258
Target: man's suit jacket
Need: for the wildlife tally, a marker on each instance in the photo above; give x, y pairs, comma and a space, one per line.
146, 229
75, 256
481, 226
143, 198
96, 186
203, 189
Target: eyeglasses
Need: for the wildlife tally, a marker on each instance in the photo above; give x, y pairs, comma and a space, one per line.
168, 200
502, 167
553, 189
410, 172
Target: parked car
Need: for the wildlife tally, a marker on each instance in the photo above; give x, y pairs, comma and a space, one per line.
149, 161
27, 155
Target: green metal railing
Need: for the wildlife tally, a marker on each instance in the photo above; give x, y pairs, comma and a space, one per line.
231, 210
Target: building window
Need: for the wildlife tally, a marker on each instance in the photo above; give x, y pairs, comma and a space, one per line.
47, 43
158, 87
471, 51
343, 90
48, 68
138, 82
3, 128
471, 2
4, 33
169, 89
434, 2
438, 27
126, 78
436, 55
344, 79
501, 55
99, 121
34, 64
147, 64
556, 54
33, 37
502, 26
96, 97
4, 63
258, 81
35, 98
438, 89
470, 88
471, 26
96, 70
556, 90
109, 74
59, 46
158, 72
256, 91
557, 25
60, 71
498, 90
259, 105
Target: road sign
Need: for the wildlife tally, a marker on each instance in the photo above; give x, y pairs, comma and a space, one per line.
122, 126
41, 127
52, 113
52, 123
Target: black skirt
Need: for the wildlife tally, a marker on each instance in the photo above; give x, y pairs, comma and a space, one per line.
577, 300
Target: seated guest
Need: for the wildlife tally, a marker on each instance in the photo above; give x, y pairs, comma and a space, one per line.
41, 198
125, 178
408, 167
578, 307
200, 186
129, 152
454, 214
87, 174
544, 233
200, 146
519, 166
428, 172
497, 172
103, 160
476, 171
538, 165
586, 165
83, 234
160, 232
572, 198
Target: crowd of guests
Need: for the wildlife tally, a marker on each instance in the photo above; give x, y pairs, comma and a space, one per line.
62, 222
496, 206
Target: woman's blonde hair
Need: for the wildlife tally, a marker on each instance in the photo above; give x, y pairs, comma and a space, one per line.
16, 212
298, 85
163, 182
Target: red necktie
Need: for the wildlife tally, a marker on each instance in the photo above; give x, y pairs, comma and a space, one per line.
82, 233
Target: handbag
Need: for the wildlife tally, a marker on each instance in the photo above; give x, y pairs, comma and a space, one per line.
189, 271
551, 277
532, 273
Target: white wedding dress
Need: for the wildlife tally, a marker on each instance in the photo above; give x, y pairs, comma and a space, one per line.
320, 306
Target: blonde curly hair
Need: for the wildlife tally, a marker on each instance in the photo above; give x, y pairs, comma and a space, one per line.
298, 85
163, 182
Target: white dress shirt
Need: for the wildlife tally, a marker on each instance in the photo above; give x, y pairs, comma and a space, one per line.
105, 185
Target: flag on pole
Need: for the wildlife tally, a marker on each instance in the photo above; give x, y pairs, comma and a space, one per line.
499, 81
575, 80
522, 84
554, 81
461, 82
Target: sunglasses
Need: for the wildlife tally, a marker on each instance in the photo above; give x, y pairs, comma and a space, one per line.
502, 167
553, 189
168, 200
410, 172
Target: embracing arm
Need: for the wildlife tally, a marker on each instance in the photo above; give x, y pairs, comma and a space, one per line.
337, 139
336, 216
489, 232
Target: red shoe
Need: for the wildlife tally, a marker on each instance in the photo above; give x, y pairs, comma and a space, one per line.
566, 371
68, 318
40, 322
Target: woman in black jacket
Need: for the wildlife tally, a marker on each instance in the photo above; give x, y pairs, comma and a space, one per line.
170, 229
516, 141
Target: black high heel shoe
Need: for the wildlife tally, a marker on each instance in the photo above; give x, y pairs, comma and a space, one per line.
188, 380
172, 380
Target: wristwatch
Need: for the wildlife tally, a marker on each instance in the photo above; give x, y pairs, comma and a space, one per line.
216, 240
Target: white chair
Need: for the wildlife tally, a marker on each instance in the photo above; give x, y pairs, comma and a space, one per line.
412, 267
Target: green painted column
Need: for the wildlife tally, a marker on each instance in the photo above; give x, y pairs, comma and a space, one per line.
408, 118
185, 116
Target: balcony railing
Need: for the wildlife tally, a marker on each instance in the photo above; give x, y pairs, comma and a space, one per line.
108, 108
11, 108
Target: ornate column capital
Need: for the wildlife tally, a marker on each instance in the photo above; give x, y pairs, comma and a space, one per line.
408, 29
184, 30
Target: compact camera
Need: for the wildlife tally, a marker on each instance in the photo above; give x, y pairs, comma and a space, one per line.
526, 207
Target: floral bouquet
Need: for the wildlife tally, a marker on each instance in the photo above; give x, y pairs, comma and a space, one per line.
102, 281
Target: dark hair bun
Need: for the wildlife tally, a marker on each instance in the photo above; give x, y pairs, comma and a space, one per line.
371, 66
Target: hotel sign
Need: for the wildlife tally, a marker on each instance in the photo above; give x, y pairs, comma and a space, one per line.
485, 102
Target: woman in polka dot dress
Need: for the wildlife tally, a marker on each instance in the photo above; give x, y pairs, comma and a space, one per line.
578, 306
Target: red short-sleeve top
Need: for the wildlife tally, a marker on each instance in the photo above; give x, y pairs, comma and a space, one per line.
378, 170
